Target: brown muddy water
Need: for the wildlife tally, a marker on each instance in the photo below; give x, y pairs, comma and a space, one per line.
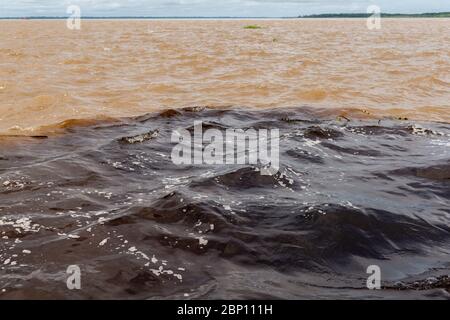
86, 176
50, 74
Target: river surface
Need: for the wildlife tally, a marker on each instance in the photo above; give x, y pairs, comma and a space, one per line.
49, 74
87, 179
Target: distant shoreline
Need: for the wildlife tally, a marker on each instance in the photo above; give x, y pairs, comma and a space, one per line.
314, 16
383, 15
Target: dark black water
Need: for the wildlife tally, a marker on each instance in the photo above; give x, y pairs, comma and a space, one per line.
108, 198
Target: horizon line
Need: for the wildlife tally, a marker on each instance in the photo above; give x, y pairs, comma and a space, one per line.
225, 17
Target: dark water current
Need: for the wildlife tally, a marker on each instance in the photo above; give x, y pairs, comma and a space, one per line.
108, 198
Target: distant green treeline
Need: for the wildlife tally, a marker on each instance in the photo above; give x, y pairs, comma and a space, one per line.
385, 15
325, 15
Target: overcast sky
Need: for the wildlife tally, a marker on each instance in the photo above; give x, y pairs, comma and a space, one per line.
236, 8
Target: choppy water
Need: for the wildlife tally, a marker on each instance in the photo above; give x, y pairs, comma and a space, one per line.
50, 74
349, 194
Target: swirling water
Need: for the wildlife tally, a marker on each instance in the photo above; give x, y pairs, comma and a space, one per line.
86, 176
106, 196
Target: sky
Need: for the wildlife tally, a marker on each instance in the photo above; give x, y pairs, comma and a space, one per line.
213, 8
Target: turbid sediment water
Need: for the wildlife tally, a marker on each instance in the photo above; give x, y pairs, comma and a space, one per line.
116, 68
